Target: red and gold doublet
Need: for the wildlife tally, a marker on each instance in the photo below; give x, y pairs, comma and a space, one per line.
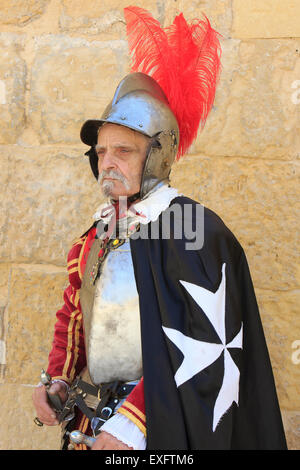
67, 357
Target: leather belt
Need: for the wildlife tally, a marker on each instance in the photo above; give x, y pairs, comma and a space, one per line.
98, 403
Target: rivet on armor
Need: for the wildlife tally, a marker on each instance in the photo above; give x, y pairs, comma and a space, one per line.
140, 125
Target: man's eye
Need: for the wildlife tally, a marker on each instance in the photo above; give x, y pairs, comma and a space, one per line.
125, 151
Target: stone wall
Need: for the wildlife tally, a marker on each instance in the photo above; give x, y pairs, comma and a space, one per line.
60, 61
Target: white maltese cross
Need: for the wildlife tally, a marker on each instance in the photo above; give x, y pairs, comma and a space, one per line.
200, 354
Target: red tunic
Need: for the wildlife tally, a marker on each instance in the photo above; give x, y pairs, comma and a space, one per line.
67, 357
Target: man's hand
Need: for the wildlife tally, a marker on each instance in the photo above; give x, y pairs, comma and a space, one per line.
106, 441
43, 409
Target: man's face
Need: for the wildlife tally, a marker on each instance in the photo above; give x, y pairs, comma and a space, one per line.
121, 156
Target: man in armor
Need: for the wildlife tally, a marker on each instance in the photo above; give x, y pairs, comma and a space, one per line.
159, 342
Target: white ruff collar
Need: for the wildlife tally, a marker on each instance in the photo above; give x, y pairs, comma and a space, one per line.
145, 211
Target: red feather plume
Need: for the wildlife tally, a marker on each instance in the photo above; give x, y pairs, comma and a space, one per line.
149, 48
184, 60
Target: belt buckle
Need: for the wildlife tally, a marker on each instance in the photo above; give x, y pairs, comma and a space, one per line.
106, 412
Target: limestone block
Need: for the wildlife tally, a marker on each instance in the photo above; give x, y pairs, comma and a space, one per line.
49, 202
4, 179
291, 422
279, 311
257, 109
4, 280
104, 18
18, 12
258, 200
18, 432
4, 175
267, 19
36, 293
72, 80
12, 87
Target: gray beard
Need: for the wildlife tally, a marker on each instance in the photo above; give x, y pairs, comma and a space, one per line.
107, 187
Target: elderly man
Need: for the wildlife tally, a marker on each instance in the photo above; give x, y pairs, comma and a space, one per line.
159, 338
121, 154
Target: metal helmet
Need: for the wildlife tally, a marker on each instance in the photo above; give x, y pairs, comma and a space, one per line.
140, 104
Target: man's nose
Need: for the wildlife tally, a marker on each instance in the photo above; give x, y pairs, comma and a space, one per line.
107, 161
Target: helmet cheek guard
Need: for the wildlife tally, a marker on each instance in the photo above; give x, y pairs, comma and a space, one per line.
159, 161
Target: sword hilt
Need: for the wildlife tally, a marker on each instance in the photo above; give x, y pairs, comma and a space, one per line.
54, 398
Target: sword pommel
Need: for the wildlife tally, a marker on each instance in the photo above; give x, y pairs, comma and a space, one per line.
79, 438
45, 378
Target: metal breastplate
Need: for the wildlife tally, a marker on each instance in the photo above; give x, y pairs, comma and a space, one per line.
111, 318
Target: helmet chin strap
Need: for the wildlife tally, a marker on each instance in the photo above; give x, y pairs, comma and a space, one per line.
134, 197
130, 199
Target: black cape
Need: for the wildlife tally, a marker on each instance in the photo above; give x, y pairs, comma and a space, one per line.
181, 417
